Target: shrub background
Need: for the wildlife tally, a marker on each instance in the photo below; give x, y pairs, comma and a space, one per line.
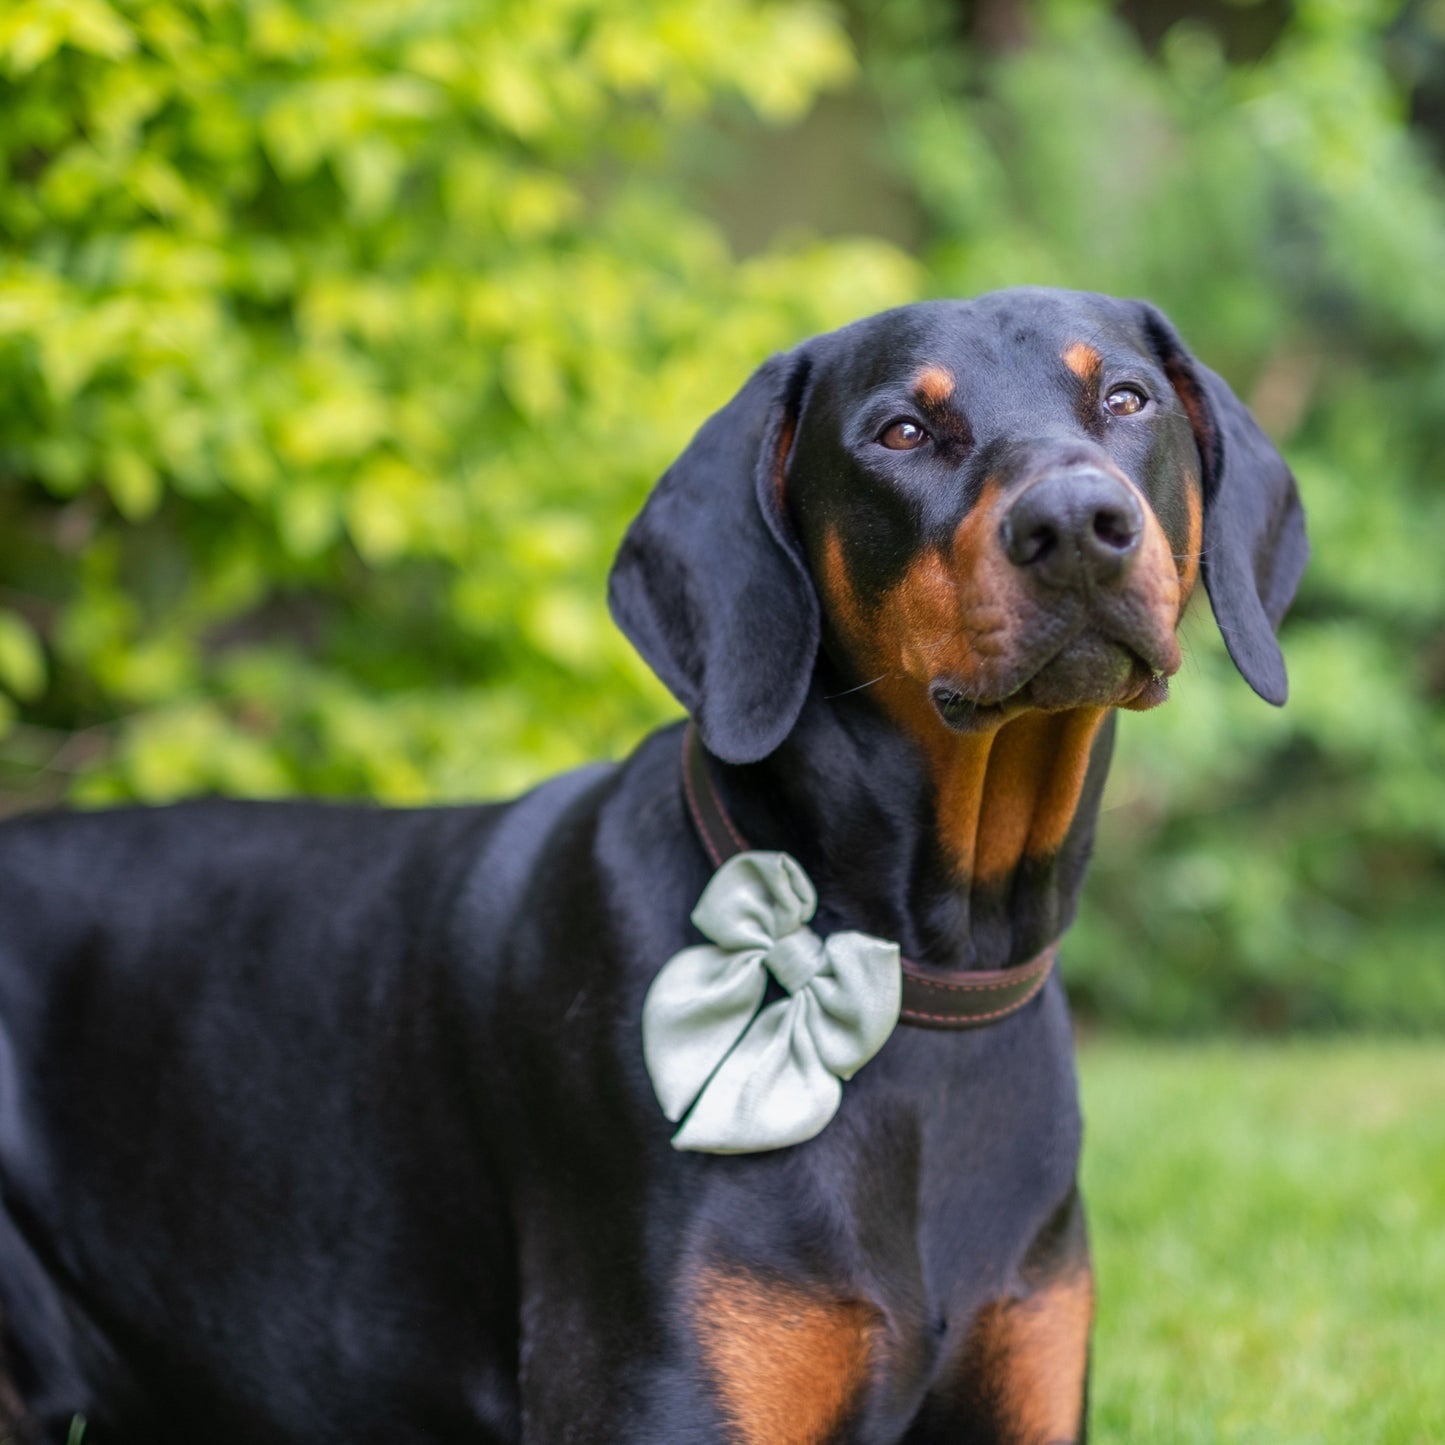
338, 343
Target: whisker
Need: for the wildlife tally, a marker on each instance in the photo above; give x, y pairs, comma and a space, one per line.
829, 696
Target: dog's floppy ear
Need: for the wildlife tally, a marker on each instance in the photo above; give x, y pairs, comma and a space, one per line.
709, 584
1254, 547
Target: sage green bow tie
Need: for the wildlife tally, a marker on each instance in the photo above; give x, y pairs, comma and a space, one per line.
764, 1080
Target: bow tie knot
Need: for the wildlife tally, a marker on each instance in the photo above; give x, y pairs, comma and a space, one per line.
796, 958
752, 1078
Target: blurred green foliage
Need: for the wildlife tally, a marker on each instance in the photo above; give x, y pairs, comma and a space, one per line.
338, 342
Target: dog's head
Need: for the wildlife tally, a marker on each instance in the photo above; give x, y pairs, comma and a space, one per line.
986, 507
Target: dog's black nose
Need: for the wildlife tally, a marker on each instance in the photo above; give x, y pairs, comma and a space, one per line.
1073, 527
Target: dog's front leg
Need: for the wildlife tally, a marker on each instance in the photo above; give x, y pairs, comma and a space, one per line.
1021, 1374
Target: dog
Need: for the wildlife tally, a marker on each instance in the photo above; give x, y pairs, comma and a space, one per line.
324, 1122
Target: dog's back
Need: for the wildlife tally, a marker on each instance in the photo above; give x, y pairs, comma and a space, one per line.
237, 1116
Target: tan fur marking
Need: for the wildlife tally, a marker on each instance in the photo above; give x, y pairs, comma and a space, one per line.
1188, 564
1186, 388
1036, 772
1031, 1355
1083, 360
960, 774
950, 614
1058, 799
1017, 767
1157, 581
838, 593
934, 384
787, 1362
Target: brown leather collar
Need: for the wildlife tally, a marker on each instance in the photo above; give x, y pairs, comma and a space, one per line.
933, 998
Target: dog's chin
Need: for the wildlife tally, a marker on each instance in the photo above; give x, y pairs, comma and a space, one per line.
1091, 671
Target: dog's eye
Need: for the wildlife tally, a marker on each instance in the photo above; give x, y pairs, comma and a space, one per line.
1125, 400
902, 436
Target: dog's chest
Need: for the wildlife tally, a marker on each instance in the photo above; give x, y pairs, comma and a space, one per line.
834, 1300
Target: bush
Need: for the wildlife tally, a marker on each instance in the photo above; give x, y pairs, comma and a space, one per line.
337, 344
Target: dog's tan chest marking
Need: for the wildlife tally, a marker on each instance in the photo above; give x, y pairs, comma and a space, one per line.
1026, 1360
786, 1362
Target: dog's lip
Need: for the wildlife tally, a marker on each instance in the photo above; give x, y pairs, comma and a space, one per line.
1147, 687
1159, 655
962, 713
1150, 693
964, 710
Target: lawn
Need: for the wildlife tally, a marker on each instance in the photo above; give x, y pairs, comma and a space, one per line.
1269, 1238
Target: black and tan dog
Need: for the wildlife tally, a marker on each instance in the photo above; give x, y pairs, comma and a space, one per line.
331, 1123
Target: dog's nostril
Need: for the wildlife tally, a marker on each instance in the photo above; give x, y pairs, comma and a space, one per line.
1116, 528
1035, 544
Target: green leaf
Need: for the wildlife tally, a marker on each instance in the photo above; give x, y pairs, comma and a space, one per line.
22, 659
133, 483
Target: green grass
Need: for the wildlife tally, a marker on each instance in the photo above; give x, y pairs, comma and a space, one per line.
1269, 1238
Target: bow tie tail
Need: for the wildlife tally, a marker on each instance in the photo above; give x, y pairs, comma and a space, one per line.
696, 1009
773, 1090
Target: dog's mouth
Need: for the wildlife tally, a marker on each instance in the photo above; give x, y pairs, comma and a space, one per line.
1089, 671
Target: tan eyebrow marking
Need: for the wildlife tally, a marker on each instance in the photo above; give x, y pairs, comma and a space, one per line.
1083, 360
934, 384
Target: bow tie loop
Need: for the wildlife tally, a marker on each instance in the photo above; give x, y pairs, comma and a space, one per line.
755, 899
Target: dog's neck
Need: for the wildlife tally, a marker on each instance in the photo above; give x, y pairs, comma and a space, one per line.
968, 850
